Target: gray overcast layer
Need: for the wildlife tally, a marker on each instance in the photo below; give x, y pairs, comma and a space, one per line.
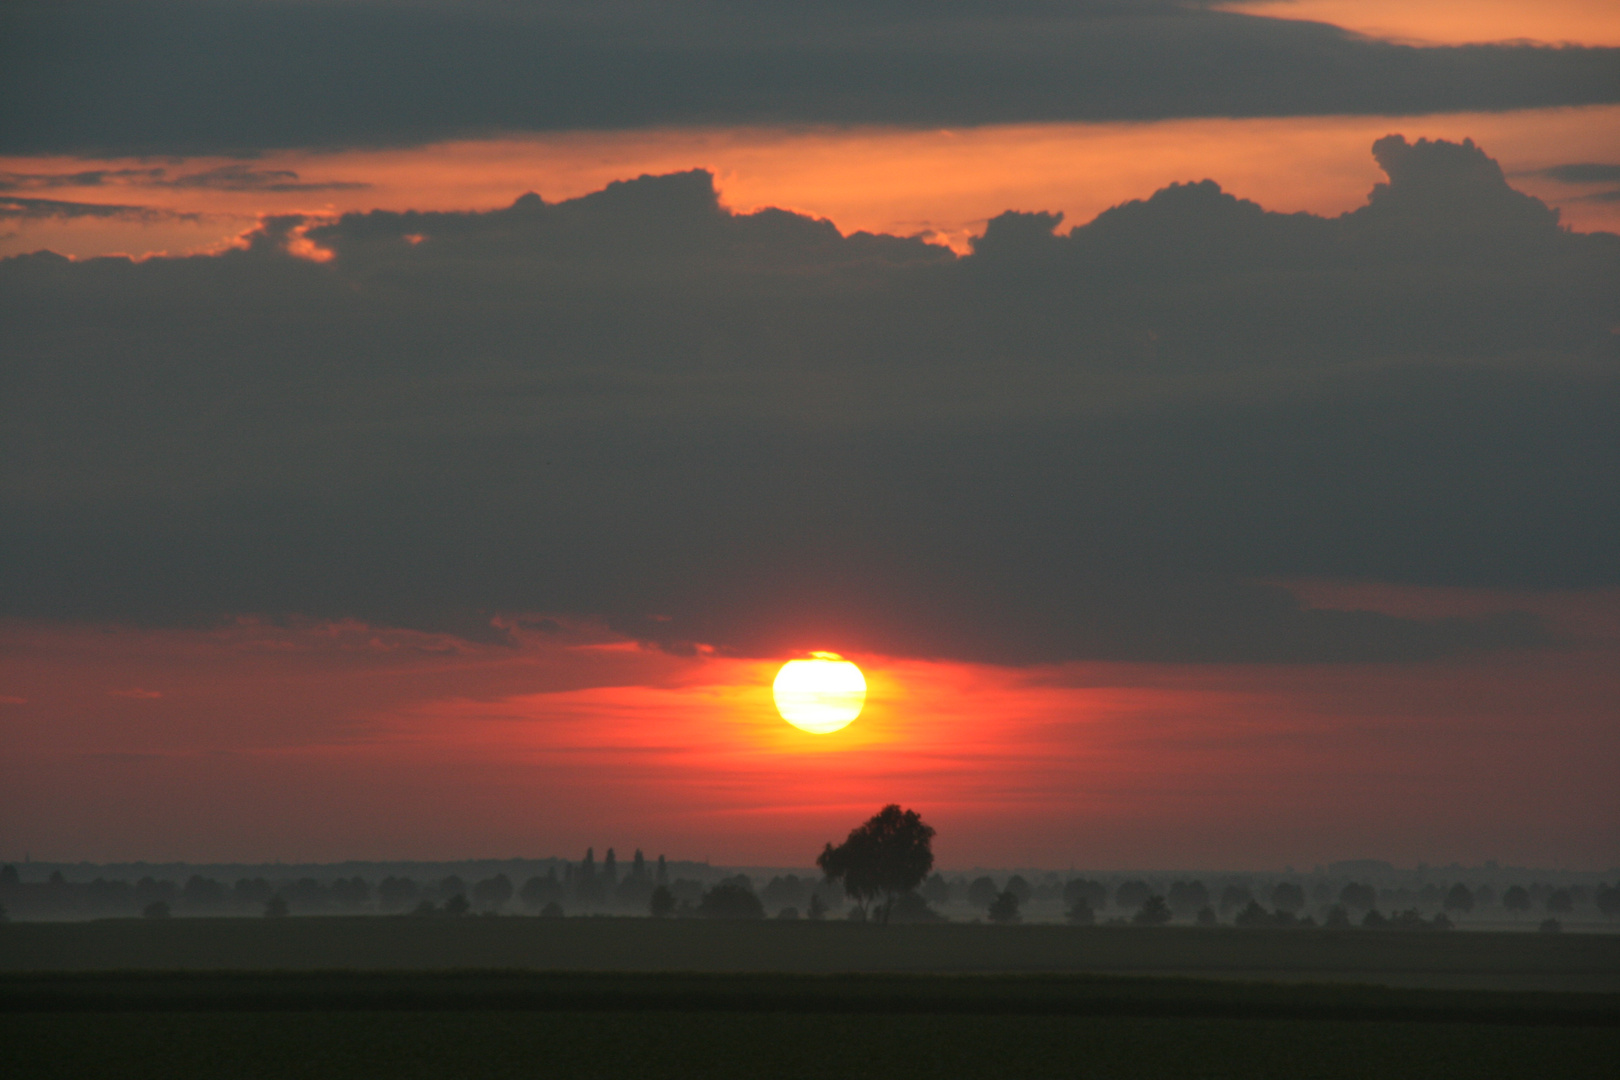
165, 77
1086, 442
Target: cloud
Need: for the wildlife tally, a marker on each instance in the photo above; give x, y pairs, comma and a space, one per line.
1588, 172
1090, 442
191, 76
14, 207
218, 178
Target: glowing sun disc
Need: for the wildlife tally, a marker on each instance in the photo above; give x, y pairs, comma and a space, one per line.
820, 695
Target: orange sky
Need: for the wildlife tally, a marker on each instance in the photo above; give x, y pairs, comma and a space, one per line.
947, 183
334, 741
1454, 22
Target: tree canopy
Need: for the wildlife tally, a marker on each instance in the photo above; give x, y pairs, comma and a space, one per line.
888, 856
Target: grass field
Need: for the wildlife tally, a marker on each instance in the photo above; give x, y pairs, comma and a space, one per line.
1572, 962
640, 999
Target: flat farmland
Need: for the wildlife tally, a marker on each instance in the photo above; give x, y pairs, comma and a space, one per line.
1435, 960
523, 1024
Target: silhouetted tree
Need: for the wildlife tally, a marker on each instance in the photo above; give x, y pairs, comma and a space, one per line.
936, 890
1206, 916
396, 893
251, 892
451, 886
157, 909
1337, 918
1516, 900
887, 856
1154, 912
662, 876
610, 869
491, 894
910, 907
638, 865
1019, 888
1608, 900
276, 907
552, 910
788, 913
731, 899
661, 905
1358, 897
1005, 908
1458, 898
983, 892
1235, 896
1094, 893
9, 877
457, 905
538, 891
1286, 896
1252, 915
1560, 902
203, 894
1132, 894
1373, 920
350, 892
1080, 912
1187, 897
816, 909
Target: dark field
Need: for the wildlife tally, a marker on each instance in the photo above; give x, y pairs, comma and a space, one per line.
581, 1010
1452, 960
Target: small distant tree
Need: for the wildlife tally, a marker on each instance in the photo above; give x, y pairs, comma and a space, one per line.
1094, 893
610, 868
936, 890
1458, 898
662, 903
1235, 896
491, 894
157, 909
1005, 908
1020, 888
731, 899
1206, 916
1358, 897
1252, 915
1560, 902
662, 877
889, 855
1080, 912
1374, 920
457, 905
1155, 911
983, 892
276, 907
1516, 900
638, 865
1287, 896
1132, 894
552, 910
1187, 897
1337, 918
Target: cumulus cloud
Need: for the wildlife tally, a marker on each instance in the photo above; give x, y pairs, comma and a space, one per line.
1081, 442
208, 75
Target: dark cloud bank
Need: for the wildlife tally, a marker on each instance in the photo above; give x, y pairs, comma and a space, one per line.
165, 76
1085, 442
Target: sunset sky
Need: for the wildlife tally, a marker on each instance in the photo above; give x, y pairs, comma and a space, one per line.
428, 427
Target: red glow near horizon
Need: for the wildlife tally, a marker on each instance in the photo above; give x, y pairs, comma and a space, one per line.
336, 741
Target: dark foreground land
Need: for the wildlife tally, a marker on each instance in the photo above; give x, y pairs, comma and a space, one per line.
1436, 960
770, 1008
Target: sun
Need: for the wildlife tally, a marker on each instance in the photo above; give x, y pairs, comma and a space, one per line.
820, 695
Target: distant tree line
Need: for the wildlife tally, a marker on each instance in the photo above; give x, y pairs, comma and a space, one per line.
848, 887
